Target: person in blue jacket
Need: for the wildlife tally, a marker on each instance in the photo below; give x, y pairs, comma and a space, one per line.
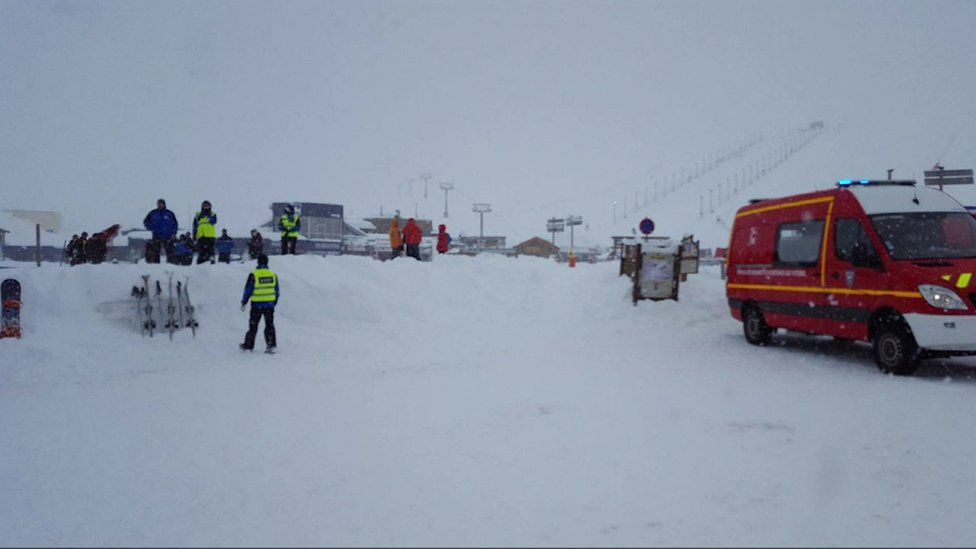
162, 223
183, 250
225, 246
263, 292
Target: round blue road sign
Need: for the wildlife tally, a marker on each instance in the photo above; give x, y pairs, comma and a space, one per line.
646, 226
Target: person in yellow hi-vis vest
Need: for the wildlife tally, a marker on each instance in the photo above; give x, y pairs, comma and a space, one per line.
263, 292
289, 224
205, 231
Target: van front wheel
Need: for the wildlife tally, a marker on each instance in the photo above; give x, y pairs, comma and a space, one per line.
754, 327
895, 350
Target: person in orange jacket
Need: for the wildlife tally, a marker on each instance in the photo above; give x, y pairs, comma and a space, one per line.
396, 239
443, 239
412, 235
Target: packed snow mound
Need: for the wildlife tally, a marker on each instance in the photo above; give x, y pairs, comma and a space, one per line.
466, 401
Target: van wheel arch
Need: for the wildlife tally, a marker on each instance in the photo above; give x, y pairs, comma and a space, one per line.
884, 316
754, 326
893, 344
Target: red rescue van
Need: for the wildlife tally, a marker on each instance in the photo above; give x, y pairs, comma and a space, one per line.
879, 261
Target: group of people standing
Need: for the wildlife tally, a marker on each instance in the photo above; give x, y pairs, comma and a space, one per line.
411, 236
85, 249
203, 239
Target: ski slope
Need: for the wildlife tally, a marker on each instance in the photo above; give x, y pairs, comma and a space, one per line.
467, 401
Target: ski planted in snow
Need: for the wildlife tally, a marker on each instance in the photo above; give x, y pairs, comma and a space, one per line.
148, 323
190, 316
171, 325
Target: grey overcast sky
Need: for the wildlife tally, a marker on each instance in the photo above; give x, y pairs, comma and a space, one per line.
105, 106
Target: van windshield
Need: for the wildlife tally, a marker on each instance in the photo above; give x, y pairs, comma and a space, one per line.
929, 235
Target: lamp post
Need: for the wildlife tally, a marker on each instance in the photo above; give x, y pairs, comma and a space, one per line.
426, 177
481, 210
446, 186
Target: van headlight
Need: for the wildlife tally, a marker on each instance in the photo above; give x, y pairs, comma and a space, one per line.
942, 298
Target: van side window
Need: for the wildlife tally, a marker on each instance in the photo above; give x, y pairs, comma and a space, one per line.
853, 245
798, 244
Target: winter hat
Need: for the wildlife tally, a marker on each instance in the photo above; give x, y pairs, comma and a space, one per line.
262, 260
205, 204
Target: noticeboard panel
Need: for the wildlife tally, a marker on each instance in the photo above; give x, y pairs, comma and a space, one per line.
657, 276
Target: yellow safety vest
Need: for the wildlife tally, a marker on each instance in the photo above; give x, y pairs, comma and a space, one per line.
289, 224
204, 228
265, 282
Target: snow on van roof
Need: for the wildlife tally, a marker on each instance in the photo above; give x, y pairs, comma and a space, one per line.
897, 199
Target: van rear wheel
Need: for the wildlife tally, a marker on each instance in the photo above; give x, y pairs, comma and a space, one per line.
754, 327
895, 350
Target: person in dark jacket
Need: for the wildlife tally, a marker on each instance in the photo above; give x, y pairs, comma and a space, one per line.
289, 225
205, 231
225, 246
69, 250
256, 246
97, 249
412, 235
263, 291
443, 239
163, 225
80, 254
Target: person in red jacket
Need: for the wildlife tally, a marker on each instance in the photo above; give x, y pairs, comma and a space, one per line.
412, 235
443, 239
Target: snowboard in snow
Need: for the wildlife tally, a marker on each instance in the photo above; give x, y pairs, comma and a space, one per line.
10, 298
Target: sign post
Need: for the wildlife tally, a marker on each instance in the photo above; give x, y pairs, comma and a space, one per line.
555, 226
941, 176
481, 210
572, 221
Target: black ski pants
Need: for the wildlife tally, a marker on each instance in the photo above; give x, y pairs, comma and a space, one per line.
205, 249
288, 242
413, 250
155, 246
252, 327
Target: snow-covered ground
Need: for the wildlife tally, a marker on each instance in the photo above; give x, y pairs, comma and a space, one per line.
468, 401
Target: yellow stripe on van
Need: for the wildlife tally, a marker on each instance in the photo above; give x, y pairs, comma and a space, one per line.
826, 238
964, 280
796, 204
816, 290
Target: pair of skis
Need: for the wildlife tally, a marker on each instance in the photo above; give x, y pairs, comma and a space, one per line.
177, 313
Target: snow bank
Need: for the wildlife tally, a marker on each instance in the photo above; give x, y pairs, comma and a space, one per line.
468, 401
